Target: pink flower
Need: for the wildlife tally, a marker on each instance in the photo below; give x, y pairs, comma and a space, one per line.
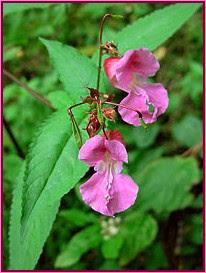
129, 73
107, 191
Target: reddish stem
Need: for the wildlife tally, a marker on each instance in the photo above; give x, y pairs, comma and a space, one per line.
124, 106
100, 47
35, 94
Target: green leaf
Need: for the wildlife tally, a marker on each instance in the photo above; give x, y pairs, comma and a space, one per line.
110, 265
9, 8
15, 221
193, 79
111, 247
143, 158
14, 162
175, 101
52, 170
169, 180
59, 99
154, 29
11, 53
198, 202
95, 10
75, 70
145, 137
139, 230
52, 165
80, 243
195, 233
155, 257
188, 131
78, 218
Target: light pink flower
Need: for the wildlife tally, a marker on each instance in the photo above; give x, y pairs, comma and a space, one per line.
129, 73
107, 191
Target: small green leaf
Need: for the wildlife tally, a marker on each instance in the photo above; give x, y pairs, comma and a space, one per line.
145, 137
188, 131
80, 243
175, 101
78, 218
170, 181
155, 257
198, 202
9, 8
11, 53
139, 230
110, 265
195, 233
193, 79
112, 246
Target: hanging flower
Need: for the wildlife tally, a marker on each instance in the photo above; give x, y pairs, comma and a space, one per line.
107, 191
129, 73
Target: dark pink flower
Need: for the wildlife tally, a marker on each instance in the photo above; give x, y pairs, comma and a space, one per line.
129, 73
107, 191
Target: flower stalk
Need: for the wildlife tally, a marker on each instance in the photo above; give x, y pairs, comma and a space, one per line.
105, 17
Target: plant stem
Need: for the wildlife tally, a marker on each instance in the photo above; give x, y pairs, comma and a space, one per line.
75, 126
124, 106
13, 138
103, 129
35, 94
107, 15
100, 47
193, 151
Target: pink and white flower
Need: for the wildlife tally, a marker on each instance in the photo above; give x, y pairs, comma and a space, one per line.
107, 191
129, 73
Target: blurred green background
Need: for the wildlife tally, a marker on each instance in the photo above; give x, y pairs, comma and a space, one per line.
163, 229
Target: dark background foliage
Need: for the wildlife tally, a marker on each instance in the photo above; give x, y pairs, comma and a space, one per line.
173, 143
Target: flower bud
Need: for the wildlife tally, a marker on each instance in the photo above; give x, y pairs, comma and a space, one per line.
115, 135
111, 49
110, 114
108, 97
93, 124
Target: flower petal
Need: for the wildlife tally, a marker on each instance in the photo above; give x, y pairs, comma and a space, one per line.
124, 193
117, 150
132, 69
149, 95
140, 61
110, 68
94, 193
158, 96
137, 102
93, 150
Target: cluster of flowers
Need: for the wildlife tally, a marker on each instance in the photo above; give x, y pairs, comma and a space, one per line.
108, 191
